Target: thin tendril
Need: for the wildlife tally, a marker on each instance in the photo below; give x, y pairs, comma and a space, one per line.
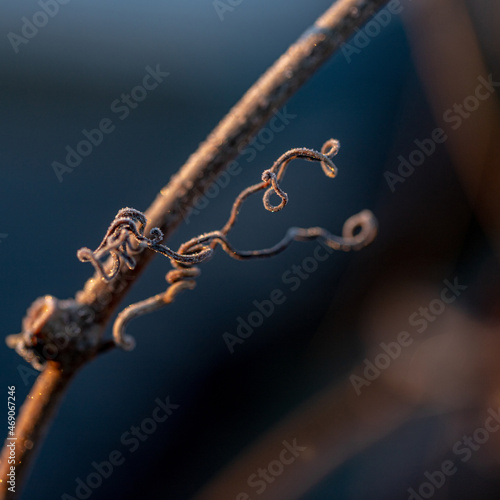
125, 237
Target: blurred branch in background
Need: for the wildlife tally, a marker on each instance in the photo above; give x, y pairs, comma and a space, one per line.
461, 91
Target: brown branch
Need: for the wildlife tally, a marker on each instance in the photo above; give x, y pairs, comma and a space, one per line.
244, 120
33, 421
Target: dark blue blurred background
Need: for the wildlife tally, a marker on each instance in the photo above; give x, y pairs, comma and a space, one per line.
64, 80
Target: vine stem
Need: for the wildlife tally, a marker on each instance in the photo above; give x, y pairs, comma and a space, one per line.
240, 125
33, 422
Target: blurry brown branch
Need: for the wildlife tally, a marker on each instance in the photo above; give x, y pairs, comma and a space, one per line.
34, 418
100, 297
474, 141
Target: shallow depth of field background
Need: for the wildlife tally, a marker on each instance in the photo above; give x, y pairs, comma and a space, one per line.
65, 79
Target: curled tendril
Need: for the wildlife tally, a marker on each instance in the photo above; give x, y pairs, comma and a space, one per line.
118, 243
129, 224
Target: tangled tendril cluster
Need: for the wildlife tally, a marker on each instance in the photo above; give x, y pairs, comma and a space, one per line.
128, 225
125, 238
